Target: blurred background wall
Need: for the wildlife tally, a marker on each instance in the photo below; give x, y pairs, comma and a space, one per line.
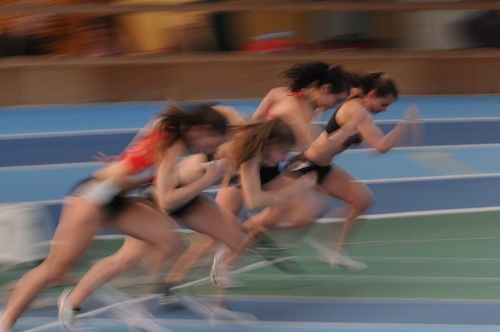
53, 57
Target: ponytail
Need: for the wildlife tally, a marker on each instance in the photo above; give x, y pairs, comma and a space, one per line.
379, 82
302, 76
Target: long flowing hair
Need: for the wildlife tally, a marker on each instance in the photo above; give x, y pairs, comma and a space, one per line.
248, 141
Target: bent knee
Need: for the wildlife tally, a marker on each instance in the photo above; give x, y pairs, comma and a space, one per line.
173, 246
364, 199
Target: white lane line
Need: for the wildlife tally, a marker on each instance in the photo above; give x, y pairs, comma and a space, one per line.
311, 326
91, 164
53, 134
42, 167
432, 178
371, 278
430, 147
422, 148
90, 132
106, 308
374, 216
355, 299
435, 120
425, 260
420, 241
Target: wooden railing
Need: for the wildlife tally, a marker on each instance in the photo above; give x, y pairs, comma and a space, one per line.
242, 57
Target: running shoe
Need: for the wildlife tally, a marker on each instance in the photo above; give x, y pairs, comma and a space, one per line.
67, 315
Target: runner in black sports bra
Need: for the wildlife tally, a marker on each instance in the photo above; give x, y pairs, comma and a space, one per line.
300, 165
379, 91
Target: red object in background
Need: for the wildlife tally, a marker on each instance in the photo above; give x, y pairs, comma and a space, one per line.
273, 42
273, 45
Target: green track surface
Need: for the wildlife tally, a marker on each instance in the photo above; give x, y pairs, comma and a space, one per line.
436, 257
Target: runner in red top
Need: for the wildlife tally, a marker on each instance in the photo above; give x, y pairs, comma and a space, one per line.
100, 201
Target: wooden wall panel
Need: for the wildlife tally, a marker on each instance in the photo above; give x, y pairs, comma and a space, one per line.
63, 85
218, 78
10, 87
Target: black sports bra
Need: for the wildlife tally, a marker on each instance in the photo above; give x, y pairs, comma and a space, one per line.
333, 125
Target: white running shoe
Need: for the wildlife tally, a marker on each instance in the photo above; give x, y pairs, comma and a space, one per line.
138, 317
344, 260
220, 276
66, 314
